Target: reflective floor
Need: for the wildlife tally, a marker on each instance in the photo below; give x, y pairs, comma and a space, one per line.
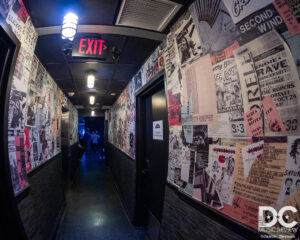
94, 210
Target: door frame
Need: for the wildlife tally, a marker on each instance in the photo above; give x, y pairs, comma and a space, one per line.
12, 223
151, 87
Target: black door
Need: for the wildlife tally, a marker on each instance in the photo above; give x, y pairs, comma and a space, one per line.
153, 132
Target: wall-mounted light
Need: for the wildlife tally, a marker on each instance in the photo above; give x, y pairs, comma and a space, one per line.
93, 113
92, 100
91, 81
69, 26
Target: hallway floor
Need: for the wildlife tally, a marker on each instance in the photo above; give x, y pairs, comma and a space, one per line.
94, 210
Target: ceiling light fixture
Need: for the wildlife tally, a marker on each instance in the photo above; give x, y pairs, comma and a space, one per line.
93, 113
69, 26
92, 100
91, 81
113, 94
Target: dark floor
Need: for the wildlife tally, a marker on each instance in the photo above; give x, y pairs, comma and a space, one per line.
94, 210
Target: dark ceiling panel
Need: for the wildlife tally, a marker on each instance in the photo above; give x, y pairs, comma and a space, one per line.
101, 70
117, 85
100, 12
66, 84
58, 71
49, 49
137, 50
124, 72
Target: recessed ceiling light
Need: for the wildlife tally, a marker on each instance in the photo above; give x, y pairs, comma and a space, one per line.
91, 81
113, 94
92, 100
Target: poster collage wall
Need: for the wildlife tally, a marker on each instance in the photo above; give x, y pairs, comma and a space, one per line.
232, 74
34, 117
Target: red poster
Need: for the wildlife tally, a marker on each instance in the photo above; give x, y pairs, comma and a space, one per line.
20, 10
242, 210
224, 54
21, 165
174, 109
27, 150
288, 17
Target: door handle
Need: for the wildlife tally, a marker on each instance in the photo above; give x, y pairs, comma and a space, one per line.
145, 171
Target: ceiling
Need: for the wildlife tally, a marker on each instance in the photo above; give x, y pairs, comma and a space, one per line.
70, 74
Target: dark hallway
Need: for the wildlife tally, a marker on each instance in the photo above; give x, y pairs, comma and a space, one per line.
149, 119
94, 210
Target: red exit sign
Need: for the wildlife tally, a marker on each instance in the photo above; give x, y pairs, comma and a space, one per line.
90, 47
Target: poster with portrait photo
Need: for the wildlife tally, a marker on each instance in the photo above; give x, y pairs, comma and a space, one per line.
214, 25
174, 109
13, 165
220, 168
16, 112
291, 178
31, 109
187, 40
176, 153
172, 63
138, 80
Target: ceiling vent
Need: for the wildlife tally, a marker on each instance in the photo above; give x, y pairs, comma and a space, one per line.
147, 14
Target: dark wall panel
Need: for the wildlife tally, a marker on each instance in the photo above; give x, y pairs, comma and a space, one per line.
182, 221
40, 209
70, 163
123, 169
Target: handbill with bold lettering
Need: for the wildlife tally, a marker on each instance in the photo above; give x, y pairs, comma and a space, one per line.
254, 123
274, 120
260, 22
220, 168
198, 81
239, 9
265, 176
229, 101
266, 67
187, 120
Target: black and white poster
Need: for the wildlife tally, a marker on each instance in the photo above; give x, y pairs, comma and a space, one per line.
214, 25
187, 40
16, 112
260, 22
31, 109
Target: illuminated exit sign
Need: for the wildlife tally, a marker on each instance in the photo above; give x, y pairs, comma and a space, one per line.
90, 47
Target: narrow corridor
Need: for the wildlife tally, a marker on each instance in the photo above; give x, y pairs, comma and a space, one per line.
94, 210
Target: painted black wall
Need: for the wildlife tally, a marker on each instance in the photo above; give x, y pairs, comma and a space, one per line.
123, 169
43, 204
70, 163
